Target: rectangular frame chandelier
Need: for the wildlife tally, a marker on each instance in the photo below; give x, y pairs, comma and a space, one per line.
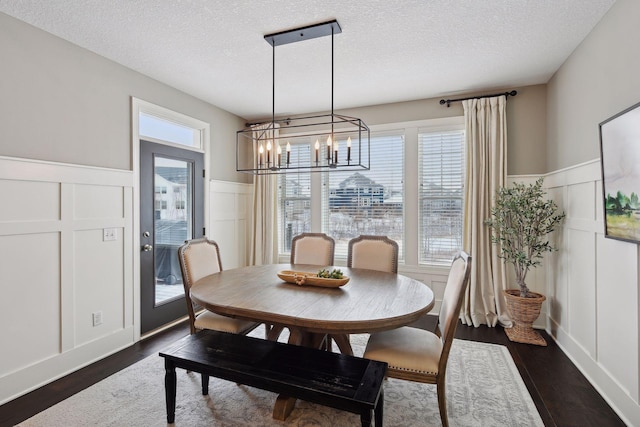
334, 141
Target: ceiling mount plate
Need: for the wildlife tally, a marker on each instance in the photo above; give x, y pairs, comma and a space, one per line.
303, 33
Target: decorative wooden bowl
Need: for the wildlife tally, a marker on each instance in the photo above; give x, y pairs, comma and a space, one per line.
306, 278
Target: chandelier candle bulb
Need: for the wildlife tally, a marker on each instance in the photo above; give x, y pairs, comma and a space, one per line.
329, 149
279, 150
317, 149
335, 152
268, 153
288, 153
260, 152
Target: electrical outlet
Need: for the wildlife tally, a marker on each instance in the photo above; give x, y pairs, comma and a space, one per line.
109, 234
97, 318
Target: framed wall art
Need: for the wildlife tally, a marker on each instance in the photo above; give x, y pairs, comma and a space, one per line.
620, 160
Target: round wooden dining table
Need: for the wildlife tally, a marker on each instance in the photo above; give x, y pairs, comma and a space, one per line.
371, 301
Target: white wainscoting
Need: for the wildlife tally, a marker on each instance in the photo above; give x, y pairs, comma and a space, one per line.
592, 291
56, 269
230, 221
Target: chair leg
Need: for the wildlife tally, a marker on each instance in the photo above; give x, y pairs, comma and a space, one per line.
442, 402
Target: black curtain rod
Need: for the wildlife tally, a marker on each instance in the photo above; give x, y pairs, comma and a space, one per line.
285, 121
449, 101
442, 102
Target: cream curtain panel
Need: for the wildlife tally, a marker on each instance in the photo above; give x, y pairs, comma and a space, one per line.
264, 235
486, 157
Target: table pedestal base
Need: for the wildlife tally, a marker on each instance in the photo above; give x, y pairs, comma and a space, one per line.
283, 407
285, 404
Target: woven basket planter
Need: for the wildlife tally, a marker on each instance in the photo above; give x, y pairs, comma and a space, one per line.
523, 312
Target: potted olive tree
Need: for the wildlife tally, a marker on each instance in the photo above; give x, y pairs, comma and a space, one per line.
520, 222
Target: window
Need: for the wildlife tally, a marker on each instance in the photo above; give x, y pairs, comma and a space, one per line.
294, 199
154, 127
441, 193
367, 201
425, 158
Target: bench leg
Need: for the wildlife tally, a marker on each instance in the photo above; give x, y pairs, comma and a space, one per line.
170, 390
205, 384
365, 419
379, 408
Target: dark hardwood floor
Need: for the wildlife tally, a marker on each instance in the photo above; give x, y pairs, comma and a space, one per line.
561, 393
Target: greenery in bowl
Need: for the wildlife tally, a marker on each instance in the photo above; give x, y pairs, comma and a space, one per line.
520, 221
334, 274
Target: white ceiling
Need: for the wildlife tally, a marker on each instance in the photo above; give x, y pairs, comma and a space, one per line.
388, 51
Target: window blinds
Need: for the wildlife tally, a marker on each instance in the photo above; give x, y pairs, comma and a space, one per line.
441, 187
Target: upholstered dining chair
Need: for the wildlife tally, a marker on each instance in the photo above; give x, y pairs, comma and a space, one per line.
199, 258
373, 253
417, 355
378, 253
313, 249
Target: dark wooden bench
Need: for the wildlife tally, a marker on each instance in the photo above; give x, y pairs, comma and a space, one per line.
336, 380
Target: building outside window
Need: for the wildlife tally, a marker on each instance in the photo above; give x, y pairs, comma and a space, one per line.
367, 201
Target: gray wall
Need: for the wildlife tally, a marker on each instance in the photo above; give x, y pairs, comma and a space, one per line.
600, 79
62, 103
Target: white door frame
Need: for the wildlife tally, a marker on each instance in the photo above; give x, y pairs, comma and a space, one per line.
139, 106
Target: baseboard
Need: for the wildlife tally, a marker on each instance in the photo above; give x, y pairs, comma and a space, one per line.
28, 378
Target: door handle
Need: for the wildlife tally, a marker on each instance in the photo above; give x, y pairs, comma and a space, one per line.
147, 248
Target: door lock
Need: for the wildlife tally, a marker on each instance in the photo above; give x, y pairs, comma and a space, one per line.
147, 248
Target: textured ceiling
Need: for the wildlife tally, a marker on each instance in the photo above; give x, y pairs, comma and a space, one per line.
388, 50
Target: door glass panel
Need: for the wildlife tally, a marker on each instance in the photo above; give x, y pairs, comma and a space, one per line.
173, 222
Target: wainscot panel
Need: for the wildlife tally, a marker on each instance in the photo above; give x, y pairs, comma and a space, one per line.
58, 269
593, 284
229, 216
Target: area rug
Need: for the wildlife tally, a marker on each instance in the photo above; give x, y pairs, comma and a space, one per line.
484, 389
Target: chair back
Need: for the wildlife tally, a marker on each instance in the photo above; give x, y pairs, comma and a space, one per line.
373, 253
451, 302
198, 258
312, 248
